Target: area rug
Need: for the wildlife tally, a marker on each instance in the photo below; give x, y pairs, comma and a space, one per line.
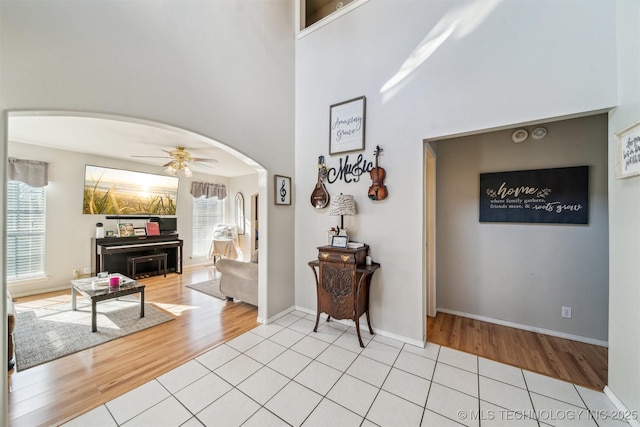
210, 287
48, 333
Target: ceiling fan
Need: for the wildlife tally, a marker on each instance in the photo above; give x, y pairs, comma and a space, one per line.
180, 160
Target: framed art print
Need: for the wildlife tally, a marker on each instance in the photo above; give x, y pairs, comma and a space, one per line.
346, 126
627, 146
282, 190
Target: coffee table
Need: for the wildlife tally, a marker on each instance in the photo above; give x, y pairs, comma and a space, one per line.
98, 289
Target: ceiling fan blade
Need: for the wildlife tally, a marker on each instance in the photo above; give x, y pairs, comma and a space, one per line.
167, 164
204, 165
199, 159
153, 157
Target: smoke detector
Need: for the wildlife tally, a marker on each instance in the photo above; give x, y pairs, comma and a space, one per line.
519, 136
539, 133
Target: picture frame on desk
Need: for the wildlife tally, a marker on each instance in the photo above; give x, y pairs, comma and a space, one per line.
153, 229
139, 232
125, 230
340, 241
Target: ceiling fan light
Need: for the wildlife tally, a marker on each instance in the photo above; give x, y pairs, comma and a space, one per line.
170, 170
187, 172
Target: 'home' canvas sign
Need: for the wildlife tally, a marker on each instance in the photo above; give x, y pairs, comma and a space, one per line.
536, 196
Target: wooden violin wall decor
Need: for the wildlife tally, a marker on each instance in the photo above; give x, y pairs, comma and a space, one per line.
320, 195
378, 191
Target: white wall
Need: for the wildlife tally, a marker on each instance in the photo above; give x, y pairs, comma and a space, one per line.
67, 224
524, 273
223, 69
624, 205
467, 66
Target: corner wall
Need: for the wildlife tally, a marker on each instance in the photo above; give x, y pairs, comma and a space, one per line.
624, 209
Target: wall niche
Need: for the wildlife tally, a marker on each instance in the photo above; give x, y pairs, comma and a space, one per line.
315, 10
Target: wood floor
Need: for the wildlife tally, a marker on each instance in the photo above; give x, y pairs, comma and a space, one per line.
579, 363
58, 391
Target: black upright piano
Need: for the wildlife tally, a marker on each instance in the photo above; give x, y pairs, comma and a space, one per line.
111, 253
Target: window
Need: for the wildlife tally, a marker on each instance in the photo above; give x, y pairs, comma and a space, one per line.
206, 214
25, 231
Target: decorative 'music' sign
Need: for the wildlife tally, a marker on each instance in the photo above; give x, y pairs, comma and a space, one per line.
536, 196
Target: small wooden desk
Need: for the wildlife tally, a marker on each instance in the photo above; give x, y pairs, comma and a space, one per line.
343, 284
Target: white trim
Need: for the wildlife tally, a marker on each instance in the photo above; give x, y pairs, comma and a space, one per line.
276, 316
17, 293
329, 18
27, 281
363, 327
620, 406
564, 335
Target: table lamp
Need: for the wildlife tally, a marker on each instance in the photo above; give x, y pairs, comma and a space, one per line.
342, 204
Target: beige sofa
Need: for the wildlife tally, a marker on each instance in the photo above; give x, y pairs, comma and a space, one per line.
239, 280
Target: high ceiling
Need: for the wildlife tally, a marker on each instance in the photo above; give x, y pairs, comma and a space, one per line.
121, 140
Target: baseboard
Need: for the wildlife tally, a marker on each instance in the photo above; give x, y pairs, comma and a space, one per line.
529, 328
633, 422
364, 327
18, 293
276, 316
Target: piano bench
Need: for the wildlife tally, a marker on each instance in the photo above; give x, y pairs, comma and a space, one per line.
133, 261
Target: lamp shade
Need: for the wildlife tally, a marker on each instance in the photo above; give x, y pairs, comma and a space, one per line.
342, 204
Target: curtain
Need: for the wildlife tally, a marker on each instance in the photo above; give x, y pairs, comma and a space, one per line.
32, 172
208, 190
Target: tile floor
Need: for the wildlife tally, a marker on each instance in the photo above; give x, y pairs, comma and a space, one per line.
284, 374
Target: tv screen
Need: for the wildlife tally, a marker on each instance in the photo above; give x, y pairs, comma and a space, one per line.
121, 192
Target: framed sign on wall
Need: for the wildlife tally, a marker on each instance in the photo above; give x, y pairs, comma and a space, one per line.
627, 146
346, 126
558, 196
282, 190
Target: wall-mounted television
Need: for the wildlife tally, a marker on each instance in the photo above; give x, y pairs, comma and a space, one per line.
110, 191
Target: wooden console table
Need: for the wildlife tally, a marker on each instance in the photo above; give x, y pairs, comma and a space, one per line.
343, 284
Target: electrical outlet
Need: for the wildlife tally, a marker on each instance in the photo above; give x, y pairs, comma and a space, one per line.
566, 312
86, 270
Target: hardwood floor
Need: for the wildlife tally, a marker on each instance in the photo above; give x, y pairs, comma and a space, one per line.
58, 391
579, 363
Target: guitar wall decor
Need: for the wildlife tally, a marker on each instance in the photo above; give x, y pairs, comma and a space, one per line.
320, 195
378, 191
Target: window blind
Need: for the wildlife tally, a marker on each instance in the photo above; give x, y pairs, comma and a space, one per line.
25, 231
206, 214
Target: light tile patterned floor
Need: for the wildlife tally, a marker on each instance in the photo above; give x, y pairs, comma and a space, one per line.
284, 374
